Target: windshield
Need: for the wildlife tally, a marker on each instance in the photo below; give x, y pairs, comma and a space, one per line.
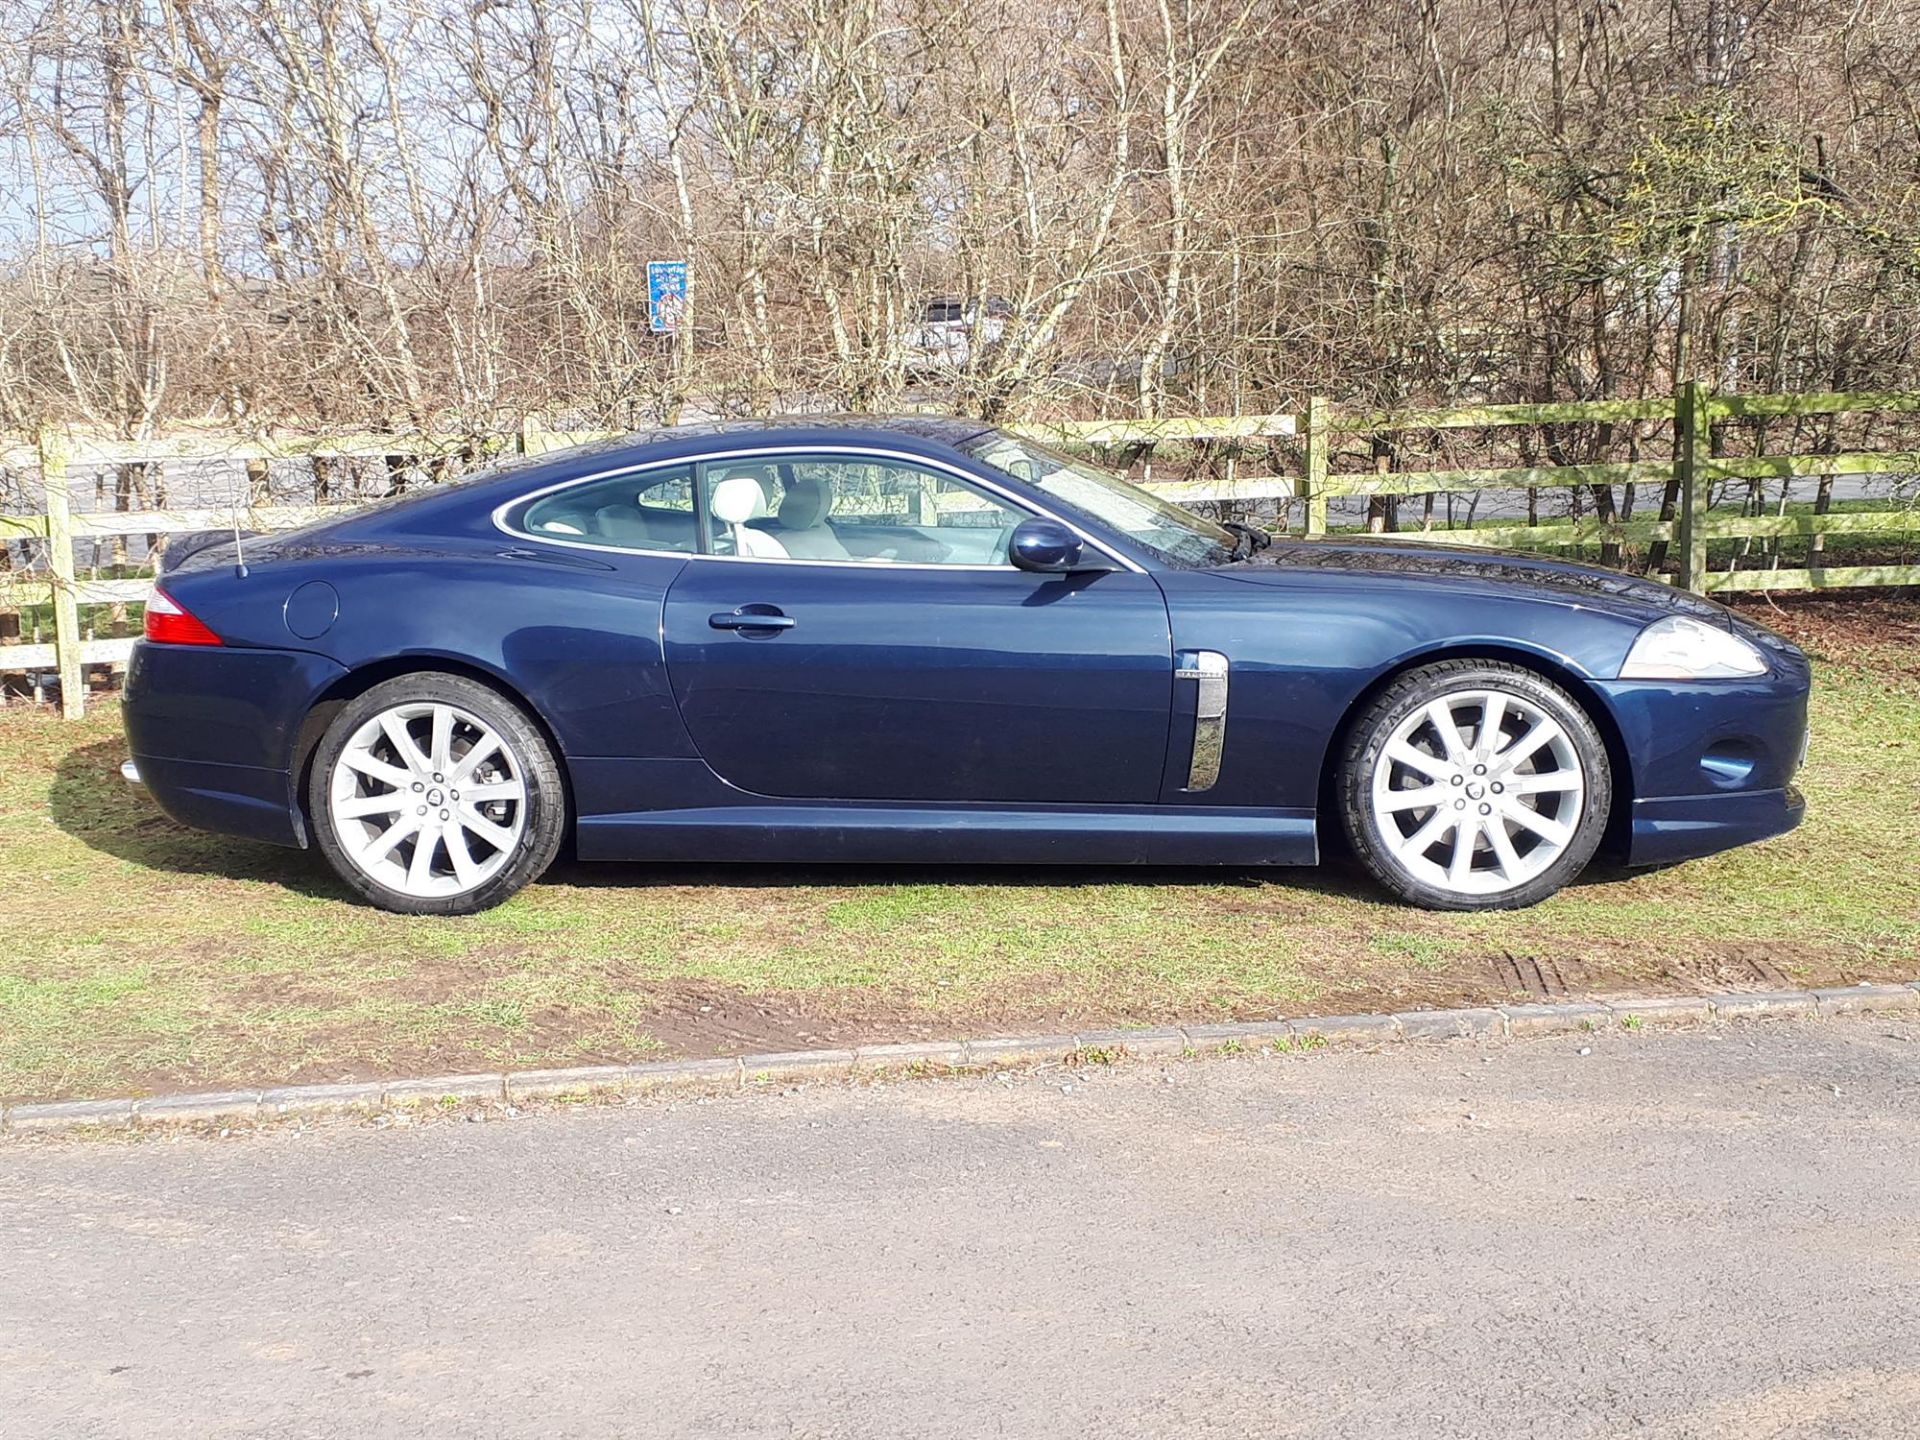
1155, 524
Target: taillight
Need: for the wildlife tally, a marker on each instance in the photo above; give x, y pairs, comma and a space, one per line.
168, 620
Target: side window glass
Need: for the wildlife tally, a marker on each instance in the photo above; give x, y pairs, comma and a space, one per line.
827, 507
644, 510
742, 499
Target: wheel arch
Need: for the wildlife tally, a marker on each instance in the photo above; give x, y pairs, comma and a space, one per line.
362, 678
1578, 686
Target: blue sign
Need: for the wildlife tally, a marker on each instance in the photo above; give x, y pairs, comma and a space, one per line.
666, 294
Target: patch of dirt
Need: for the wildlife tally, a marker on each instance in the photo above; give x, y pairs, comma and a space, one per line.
1745, 967
1539, 977
703, 1018
1877, 626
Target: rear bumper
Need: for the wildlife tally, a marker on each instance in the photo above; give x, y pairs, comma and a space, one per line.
1688, 826
228, 799
213, 729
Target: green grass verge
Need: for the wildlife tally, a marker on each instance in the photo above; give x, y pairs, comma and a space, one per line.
141, 956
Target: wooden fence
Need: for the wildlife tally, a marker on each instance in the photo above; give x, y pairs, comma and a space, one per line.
1693, 411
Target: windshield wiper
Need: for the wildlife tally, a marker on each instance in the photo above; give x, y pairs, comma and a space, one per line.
1248, 540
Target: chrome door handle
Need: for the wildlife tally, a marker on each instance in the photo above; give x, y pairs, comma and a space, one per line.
745, 619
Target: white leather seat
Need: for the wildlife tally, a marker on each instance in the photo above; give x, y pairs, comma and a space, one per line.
736, 500
803, 522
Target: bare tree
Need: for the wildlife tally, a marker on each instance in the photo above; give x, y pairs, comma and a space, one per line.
348, 213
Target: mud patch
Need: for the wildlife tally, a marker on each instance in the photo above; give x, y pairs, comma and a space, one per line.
1539, 977
1877, 627
1742, 968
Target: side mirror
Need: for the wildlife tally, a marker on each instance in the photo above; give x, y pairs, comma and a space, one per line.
1046, 546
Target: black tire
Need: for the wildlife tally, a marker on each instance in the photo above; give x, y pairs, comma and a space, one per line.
1413, 692
545, 820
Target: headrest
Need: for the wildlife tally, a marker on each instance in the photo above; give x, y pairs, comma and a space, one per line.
761, 475
805, 504
621, 522
737, 499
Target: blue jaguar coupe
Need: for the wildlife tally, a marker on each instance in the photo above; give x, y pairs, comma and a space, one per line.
930, 640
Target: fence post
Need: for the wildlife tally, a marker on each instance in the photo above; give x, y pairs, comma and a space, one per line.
1693, 452
1314, 488
66, 613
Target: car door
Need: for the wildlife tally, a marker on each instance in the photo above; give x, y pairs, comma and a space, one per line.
857, 633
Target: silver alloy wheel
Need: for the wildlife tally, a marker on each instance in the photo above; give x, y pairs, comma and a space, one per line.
1478, 792
428, 800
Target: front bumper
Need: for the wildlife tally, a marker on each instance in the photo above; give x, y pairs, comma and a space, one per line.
1713, 762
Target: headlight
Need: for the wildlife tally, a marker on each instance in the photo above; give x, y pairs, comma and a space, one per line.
1682, 648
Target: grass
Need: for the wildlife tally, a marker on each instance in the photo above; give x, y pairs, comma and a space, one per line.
1298, 1044
1427, 952
138, 956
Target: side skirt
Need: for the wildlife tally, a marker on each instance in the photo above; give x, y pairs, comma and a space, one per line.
973, 834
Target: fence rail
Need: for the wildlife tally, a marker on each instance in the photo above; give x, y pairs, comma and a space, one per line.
1691, 472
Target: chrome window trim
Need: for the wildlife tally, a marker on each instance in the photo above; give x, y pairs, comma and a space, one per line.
1018, 502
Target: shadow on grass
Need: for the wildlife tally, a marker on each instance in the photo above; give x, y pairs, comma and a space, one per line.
1336, 879
90, 802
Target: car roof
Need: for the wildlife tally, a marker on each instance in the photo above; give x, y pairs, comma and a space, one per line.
715, 436
943, 429
921, 433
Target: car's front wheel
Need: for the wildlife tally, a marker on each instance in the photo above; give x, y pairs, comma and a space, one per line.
433, 795
1474, 785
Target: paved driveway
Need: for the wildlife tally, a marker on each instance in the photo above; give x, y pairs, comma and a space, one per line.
1700, 1234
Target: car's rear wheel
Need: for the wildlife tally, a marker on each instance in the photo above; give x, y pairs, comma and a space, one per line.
1475, 785
433, 795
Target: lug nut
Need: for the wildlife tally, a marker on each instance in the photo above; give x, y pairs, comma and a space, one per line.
423, 810
444, 815
418, 787
1486, 809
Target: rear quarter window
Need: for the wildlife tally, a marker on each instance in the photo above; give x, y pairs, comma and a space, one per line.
647, 510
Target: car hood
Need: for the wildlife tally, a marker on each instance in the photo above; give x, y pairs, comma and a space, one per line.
1585, 585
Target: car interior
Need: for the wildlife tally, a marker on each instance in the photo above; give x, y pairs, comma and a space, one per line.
805, 508
658, 516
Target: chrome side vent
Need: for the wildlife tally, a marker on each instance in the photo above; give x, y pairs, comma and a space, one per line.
1208, 670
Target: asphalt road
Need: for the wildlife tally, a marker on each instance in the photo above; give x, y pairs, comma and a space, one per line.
1699, 1234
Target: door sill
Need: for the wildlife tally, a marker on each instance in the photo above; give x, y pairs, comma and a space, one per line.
875, 833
